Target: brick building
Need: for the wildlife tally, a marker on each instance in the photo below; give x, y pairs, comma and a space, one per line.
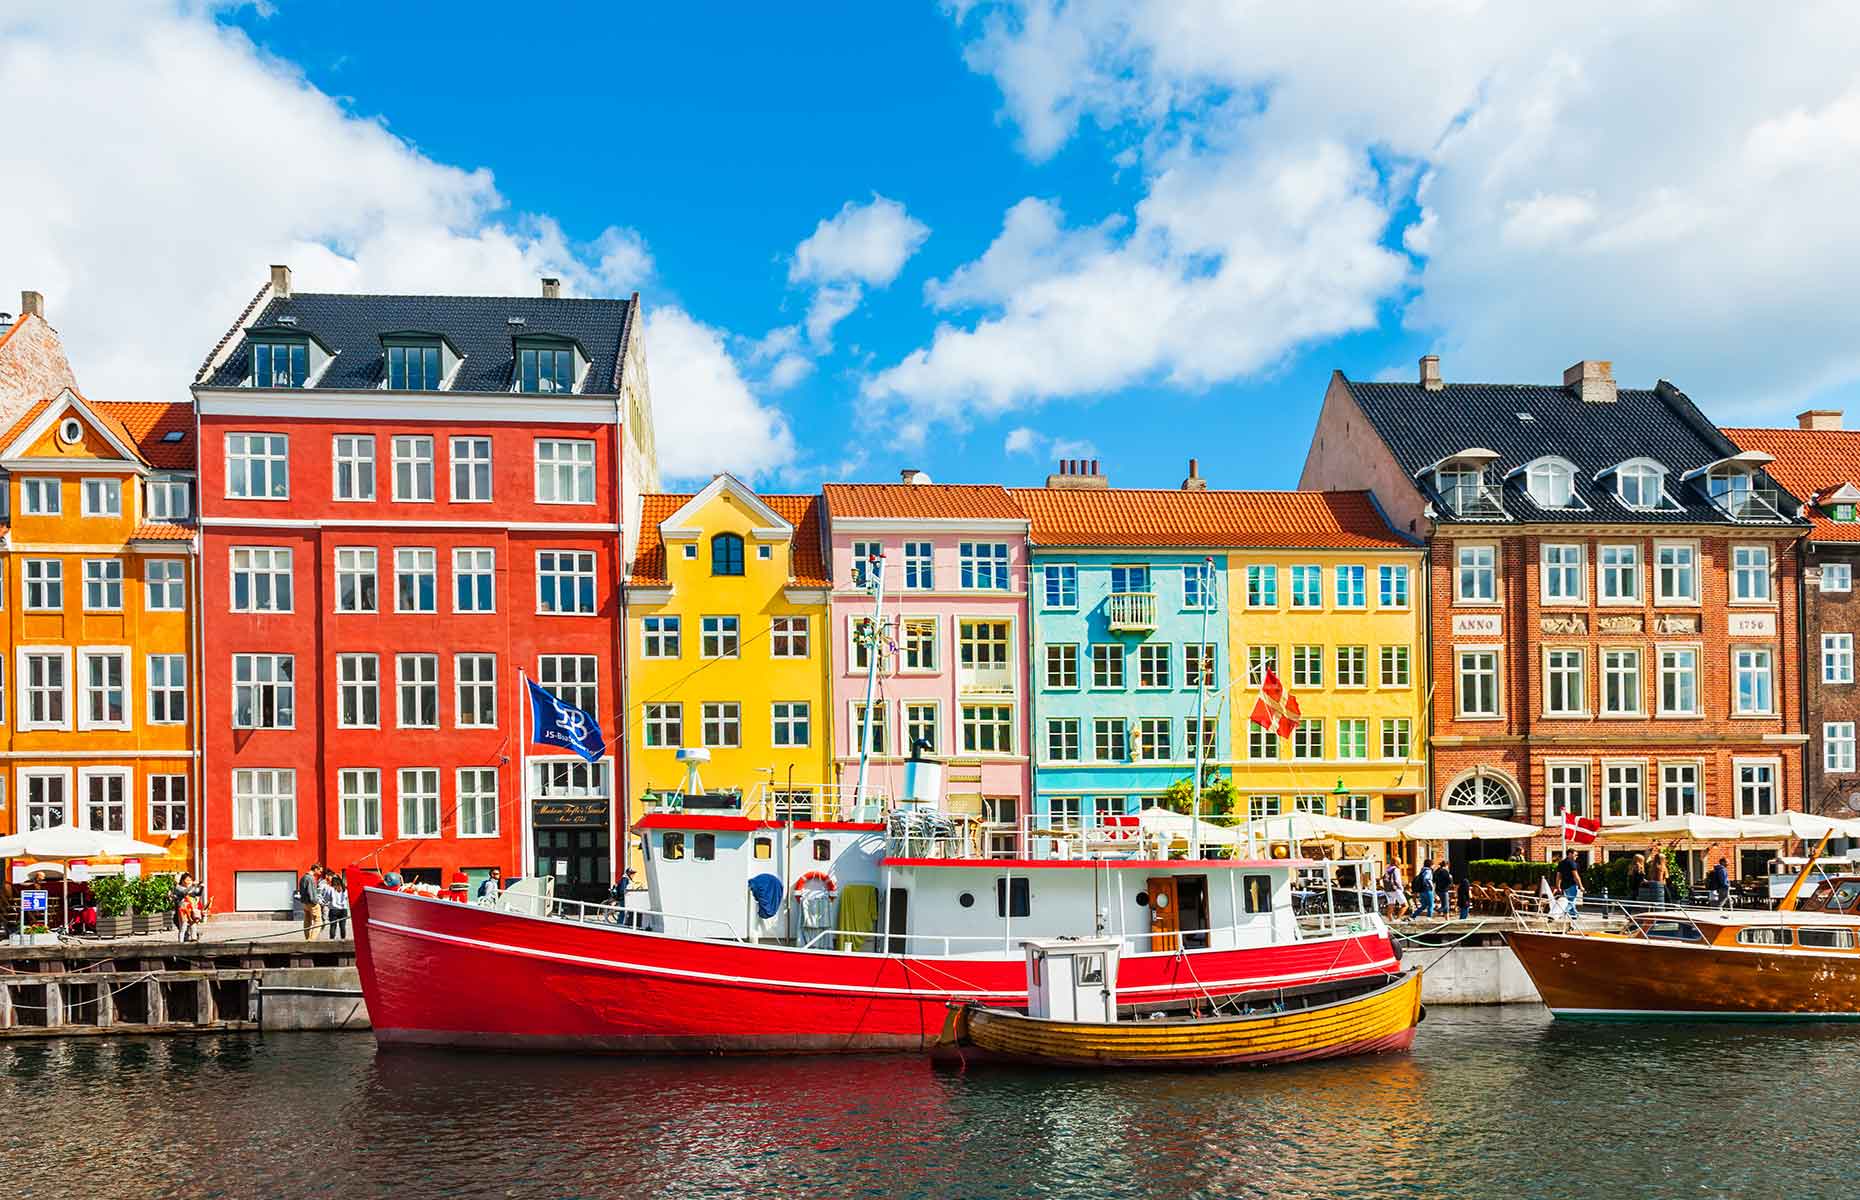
1612, 593
33, 368
1820, 462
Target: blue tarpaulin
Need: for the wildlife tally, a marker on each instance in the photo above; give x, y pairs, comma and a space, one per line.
766, 889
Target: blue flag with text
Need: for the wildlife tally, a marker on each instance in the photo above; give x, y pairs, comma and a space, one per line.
554, 723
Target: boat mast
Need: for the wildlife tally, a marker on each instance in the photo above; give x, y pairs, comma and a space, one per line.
1201, 711
873, 639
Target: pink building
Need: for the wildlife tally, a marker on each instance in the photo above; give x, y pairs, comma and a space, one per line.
953, 667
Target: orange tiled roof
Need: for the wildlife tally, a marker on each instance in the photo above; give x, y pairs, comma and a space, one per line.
26, 418
159, 531
803, 512
148, 422
1810, 462
925, 501
1142, 517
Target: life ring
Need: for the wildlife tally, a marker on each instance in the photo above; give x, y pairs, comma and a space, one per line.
822, 876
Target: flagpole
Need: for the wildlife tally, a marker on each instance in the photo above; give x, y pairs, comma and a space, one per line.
1201, 716
523, 777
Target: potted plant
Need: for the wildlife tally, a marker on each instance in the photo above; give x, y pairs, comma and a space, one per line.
114, 900
151, 903
36, 935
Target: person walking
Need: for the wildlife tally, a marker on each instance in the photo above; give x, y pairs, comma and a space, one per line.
1392, 893
1466, 893
1443, 887
1655, 887
1718, 883
1569, 881
336, 906
1424, 887
309, 895
1637, 876
492, 886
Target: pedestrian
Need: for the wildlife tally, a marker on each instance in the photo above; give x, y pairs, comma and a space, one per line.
1424, 887
336, 906
310, 896
1569, 881
1466, 894
1718, 882
1443, 887
1655, 886
185, 896
1637, 876
1392, 892
492, 886
617, 894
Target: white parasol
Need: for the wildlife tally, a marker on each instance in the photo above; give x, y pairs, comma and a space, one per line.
1317, 827
1174, 826
1445, 825
1696, 828
1810, 827
69, 841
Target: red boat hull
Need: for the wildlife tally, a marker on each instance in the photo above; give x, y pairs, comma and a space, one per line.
440, 973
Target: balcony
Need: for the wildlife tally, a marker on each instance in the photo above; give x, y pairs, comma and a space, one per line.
1130, 612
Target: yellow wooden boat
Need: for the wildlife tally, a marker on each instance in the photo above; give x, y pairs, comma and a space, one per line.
1373, 1016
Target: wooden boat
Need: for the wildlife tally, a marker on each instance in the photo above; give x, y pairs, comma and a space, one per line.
1370, 1017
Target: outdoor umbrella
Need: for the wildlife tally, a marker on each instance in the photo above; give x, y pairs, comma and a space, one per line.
1445, 825
69, 841
1810, 827
1316, 827
1172, 826
1695, 828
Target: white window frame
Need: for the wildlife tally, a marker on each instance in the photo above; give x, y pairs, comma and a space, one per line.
660, 721
913, 712
101, 497
466, 692
1686, 599
462, 451
1551, 575
1607, 671
417, 453
279, 685
1611, 789
105, 576
367, 691
67, 801
474, 803
1697, 767
125, 804
1552, 669
783, 718
1747, 573
34, 491
279, 794
166, 806
167, 498
427, 568
1836, 577
1838, 747
1613, 573
363, 785
571, 569
411, 785
723, 631
1350, 587
262, 561
66, 691
410, 681
1768, 674
1742, 810
471, 563
1463, 572
789, 638
350, 571
356, 453
1574, 773
1460, 712
1697, 651
560, 459
270, 452
726, 716
574, 679
1837, 658
661, 636
1396, 578
45, 576
157, 592
171, 691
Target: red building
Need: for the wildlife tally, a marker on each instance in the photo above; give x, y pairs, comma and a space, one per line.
407, 504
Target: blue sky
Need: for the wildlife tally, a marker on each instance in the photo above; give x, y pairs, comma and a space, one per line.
1140, 232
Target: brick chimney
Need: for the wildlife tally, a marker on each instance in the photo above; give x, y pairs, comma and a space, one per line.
1819, 418
1078, 474
552, 288
1593, 379
1430, 372
912, 475
1194, 482
280, 281
32, 304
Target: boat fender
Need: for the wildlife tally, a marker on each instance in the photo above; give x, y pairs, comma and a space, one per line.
1396, 946
822, 876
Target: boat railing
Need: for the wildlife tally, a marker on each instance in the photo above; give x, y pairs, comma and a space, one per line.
589, 912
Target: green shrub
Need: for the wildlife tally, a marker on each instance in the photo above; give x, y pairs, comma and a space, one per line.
1507, 873
150, 893
1611, 876
113, 893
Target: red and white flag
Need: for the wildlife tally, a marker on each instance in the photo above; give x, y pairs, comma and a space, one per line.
1580, 831
1276, 708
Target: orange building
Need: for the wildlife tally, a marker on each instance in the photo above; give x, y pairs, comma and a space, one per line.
99, 574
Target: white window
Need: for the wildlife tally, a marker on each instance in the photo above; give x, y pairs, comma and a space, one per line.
44, 585
665, 726
1617, 573
164, 584
1062, 667
1352, 666
474, 679
103, 497
46, 798
1261, 744
358, 700
571, 678
1062, 739
1307, 666
264, 691
474, 579
168, 804
920, 726
1153, 664
166, 500
866, 563
1478, 683
1397, 737
258, 466
1262, 586
1198, 585
1261, 807
1569, 788
1837, 577
261, 579
1621, 682
919, 566
723, 724
565, 582
1640, 485
1307, 587
265, 803
983, 566
1550, 483
1679, 681
44, 679
1107, 665
983, 645
1060, 585
1353, 738
416, 679
1676, 573
39, 496
1837, 658
788, 637
1260, 659
1476, 580
106, 799
1679, 789
1352, 586
1396, 671
1110, 739
791, 723
353, 462
477, 801
416, 580
1756, 788
471, 471
1564, 694
1624, 789
564, 471
1308, 739
1209, 730
1562, 574
1750, 574
920, 646
103, 585
987, 728
413, 469
659, 637
167, 689
356, 576
1392, 586
359, 791
720, 637
1837, 746
1154, 738
419, 802
1750, 669
1199, 666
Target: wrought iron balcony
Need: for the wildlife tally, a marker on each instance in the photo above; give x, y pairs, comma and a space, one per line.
1130, 612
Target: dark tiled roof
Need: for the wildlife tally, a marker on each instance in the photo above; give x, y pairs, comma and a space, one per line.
1661, 423
352, 325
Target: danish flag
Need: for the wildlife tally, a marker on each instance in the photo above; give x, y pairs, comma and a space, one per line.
1276, 708
1580, 831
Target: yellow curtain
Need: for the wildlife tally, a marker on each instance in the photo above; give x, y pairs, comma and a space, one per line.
858, 915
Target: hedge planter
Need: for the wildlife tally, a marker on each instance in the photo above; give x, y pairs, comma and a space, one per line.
148, 922
121, 925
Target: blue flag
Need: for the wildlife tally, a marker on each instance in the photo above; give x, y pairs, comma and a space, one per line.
554, 723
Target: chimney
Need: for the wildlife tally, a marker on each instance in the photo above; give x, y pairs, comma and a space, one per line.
552, 288
1430, 372
1593, 379
280, 281
912, 475
1819, 418
31, 304
1194, 482
1077, 475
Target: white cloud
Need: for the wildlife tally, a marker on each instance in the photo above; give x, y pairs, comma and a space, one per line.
1034, 444
1022, 440
1585, 189
705, 415
860, 246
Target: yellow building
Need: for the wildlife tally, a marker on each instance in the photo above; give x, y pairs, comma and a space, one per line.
100, 585
727, 645
1341, 622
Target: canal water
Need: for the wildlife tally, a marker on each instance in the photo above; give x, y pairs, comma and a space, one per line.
1492, 1102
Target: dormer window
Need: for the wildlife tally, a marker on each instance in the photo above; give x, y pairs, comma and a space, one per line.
1841, 512
1463, 486
413, 368
1551, 483
1458, 485
1640, 485
166, 499
280, 364
545, 369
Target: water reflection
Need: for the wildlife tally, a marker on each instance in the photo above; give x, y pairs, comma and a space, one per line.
1492, 1102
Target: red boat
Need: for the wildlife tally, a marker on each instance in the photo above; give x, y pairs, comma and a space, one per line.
710, 968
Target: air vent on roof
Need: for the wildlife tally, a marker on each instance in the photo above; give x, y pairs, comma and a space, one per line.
1526, 417
515, 321
287, 319
174, 435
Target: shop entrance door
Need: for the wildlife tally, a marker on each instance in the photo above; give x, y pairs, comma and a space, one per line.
577, 857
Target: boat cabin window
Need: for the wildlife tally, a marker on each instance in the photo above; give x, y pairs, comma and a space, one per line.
671, 846
704, 847
1088, 968
823, 850
1682, 931
765, 848
1826, 939
1258, 892
1013, 898
1844, 896
1765, 935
